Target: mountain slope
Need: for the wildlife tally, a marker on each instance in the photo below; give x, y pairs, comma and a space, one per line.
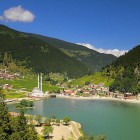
92, 59
33, 53
122, 75
126, 72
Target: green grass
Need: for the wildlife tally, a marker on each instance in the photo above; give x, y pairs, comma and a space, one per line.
81, 131
14, 94
29, 83
21, 83
94, 79
40, 137
57, 77
51, 88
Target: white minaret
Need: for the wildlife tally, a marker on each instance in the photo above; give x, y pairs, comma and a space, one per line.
41, 81
38, 81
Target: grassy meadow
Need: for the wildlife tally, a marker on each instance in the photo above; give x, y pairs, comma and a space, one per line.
23, 86
93, 79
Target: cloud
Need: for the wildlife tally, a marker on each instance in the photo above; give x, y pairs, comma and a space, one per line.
115, 52
1, 17
18, 13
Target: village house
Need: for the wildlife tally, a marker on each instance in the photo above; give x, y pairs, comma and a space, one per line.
5, 75
69, 93
7, 86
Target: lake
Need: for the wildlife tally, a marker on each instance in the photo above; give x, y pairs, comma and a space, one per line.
117, 120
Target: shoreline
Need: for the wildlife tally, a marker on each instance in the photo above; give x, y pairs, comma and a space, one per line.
15, 101
78, 98
100, 98
71, 131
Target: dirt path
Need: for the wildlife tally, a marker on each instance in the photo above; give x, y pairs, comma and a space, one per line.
75, 129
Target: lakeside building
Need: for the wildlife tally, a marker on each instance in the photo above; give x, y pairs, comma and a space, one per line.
37, 91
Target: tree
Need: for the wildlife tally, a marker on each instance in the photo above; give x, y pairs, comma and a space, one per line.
5, 127
15, 136
14, 124
86, 137
7, 58
26, 103
66, 120
87, 83
23, 131
38, 118
29, 119
47, 130
14, 128
101, 137
53, 120
57, 122
32, 134
48, 121
30, 103
22, 127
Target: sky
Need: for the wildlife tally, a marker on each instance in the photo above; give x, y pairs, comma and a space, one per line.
107, 26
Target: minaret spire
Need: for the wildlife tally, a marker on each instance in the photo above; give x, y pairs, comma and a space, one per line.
41, 81
38, 81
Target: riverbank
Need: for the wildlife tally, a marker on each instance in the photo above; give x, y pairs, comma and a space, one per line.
100, 98
68, 132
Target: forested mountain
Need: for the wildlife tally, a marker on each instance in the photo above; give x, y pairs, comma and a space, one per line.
122, 75
90, 58
44, 54
126, 72
27, 51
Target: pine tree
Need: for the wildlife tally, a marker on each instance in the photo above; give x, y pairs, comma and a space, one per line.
32, 134
5, 127
26, 132
22, 125
14, 128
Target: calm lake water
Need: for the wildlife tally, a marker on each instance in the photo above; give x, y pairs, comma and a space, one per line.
116, 120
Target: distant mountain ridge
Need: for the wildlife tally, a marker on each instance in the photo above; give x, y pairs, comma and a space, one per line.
44, 54
90, 58
37, 55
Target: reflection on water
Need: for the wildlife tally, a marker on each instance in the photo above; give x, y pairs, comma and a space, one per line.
117, 120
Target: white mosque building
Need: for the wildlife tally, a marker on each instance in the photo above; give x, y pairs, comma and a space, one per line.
37, 91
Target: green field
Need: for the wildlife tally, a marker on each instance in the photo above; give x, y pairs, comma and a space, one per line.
92, 79
15, 95
27, 84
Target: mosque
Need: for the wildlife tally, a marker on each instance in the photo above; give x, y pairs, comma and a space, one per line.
37, 91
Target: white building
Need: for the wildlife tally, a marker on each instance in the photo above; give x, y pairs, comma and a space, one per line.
37, 91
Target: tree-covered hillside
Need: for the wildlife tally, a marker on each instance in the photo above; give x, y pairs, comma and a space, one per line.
32, 53
92, 59
126, 72
122, 75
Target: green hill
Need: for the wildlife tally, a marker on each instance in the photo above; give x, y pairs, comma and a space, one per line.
126, 72
122, 75
30, 52
90, 58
